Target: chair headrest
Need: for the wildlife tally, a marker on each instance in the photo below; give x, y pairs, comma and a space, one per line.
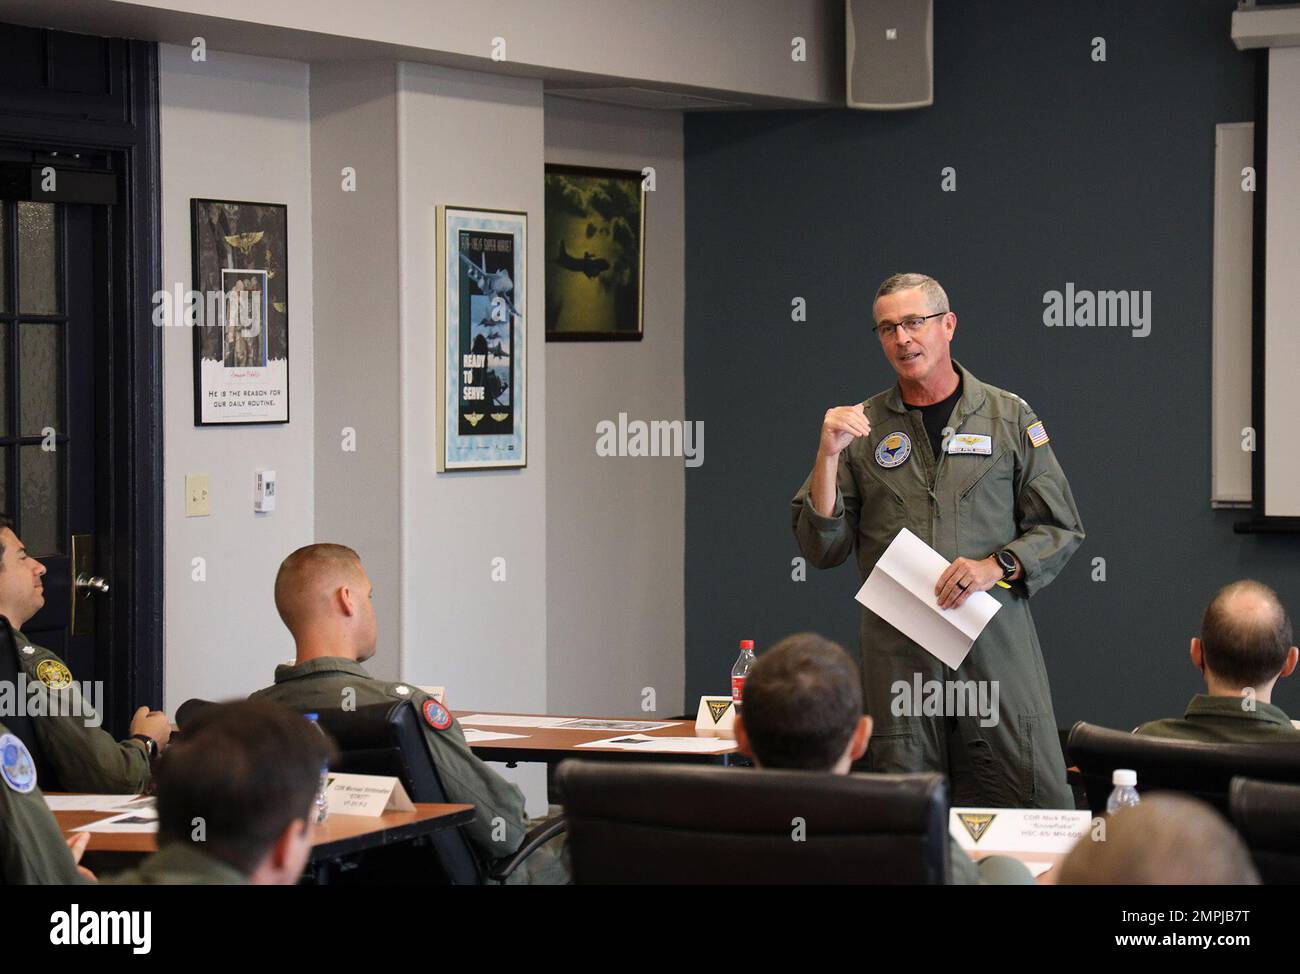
190, 709
746, 799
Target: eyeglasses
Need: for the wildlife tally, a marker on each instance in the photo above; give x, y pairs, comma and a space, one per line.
911, 325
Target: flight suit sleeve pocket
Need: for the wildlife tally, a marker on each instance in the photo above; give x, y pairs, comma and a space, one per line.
1045, 503
1050, 530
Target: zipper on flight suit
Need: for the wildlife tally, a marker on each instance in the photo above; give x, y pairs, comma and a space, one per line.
935, 516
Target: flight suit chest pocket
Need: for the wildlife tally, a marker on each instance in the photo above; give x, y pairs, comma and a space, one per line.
985, 502
882, 513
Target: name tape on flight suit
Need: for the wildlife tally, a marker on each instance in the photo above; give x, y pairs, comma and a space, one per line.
971, 443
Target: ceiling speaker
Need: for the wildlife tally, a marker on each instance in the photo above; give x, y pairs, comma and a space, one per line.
889, 46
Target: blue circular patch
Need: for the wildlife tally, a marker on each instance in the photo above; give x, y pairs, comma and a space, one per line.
436, 715
16, 765
893, 449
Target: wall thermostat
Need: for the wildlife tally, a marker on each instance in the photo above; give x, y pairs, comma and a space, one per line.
264, 492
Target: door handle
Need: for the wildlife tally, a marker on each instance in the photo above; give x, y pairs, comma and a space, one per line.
92, 582
85, 585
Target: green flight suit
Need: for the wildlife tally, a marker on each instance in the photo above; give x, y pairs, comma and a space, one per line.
86, 757
179, 864
320, 684
32, 848
963, 505
1225, 720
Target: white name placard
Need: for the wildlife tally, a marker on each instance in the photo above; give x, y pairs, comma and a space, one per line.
1039, 830
716, 717
366, 794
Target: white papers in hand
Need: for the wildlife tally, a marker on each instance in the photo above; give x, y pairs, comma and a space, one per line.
900, 589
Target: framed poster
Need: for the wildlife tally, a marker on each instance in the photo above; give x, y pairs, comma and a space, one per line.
482, 348
595, 254
240, 312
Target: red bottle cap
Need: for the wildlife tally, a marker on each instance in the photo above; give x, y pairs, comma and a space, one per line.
747, 644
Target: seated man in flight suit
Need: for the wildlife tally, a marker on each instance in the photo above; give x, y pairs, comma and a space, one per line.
59, 726
323, 596
802, 711
32, 849
235, 799
1243, 650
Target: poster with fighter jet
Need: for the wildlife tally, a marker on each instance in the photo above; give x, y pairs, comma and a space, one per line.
481, 338
595, 253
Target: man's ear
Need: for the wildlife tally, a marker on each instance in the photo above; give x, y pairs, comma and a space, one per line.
347, 603
861, 736
742, 738
1288, 667
281, 854
1197, 654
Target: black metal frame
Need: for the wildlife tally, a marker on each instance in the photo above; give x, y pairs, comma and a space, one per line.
123, 126
195, 204
602, 336
15, 437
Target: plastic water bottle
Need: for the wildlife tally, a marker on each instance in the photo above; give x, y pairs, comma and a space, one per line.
744, 663
1125, 792
320, 804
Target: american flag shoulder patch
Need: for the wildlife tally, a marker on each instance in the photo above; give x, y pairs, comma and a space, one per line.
1037, 434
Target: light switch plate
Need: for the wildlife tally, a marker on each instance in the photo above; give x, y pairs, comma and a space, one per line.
196, 495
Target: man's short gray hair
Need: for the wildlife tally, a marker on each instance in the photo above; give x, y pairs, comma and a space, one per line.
935, 294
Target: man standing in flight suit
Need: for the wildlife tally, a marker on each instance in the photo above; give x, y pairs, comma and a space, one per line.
967, 468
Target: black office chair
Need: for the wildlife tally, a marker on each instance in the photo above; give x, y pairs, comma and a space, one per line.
387, 739
672, 823
1201, 770
1267, 815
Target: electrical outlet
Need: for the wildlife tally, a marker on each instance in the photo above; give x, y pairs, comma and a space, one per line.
196, 495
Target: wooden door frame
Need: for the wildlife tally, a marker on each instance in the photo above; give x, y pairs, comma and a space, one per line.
124, 125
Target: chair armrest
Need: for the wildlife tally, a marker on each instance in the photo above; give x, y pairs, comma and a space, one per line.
534, 840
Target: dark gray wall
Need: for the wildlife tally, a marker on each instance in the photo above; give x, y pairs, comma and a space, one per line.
1067, 170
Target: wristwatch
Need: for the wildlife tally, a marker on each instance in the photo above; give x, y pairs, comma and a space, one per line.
150, 745
1009, 564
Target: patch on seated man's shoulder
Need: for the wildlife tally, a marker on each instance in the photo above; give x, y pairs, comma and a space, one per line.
436, 715
54, 674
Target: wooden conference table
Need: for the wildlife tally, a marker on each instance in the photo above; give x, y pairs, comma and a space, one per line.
551, 745
336, 837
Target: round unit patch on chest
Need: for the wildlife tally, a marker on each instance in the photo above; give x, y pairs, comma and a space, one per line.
16, 765
893, 450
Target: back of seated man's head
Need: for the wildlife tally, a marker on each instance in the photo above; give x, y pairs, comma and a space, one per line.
1245, 638
323, 596
239, 786
802, 707
1167, 840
